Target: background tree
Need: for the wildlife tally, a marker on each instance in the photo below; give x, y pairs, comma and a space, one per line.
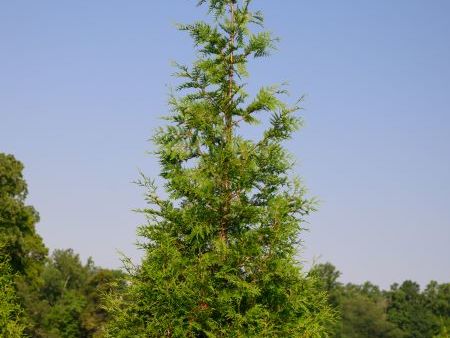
69, 303
17, 221
20, 243
11, 325
328, 280
362, 308
408, 308
220, 249
56, 296
437, 298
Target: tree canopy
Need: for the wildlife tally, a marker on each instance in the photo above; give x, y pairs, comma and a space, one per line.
21, 243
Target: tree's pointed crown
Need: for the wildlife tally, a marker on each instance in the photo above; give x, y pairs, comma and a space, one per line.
220, 248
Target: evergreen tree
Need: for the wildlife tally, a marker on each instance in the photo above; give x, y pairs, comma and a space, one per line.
220, 249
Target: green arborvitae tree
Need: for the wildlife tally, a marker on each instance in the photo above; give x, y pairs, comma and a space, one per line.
220, 249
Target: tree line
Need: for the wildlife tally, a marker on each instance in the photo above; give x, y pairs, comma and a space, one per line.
57, 295
402, 311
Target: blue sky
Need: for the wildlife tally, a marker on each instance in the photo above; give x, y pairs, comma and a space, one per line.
83, 84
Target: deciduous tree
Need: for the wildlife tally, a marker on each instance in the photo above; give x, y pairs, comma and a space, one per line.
21, 243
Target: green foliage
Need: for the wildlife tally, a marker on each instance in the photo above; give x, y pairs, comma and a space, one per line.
443, 330
437, 298
11, 325
364, 313
362, 308
408, 308
403, 311
17, 221
60, 296
63, 318
328, 276
197, 280
69, 302
220, 249
21, 245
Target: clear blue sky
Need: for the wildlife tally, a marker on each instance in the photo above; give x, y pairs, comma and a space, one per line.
83, 84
